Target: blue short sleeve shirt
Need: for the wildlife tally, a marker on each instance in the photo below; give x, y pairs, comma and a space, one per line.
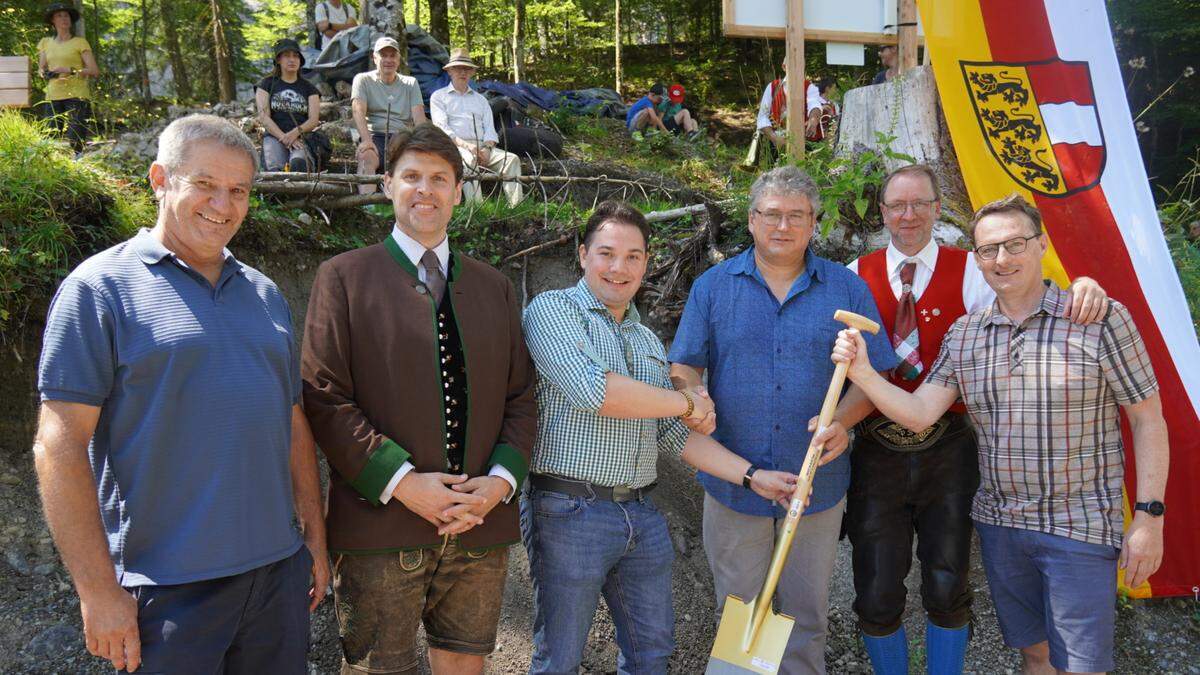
769, 366
195, 386
641, 104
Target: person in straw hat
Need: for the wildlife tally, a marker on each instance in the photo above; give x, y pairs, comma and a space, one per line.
465, 115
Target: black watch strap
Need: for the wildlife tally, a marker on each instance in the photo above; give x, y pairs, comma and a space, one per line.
749, 474
1154, 508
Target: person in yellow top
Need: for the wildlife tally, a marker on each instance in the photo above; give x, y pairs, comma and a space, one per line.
66, 61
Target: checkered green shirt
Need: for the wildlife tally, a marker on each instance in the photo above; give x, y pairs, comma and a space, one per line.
574, 341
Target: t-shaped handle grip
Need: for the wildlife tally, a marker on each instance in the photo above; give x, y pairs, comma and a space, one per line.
856, 321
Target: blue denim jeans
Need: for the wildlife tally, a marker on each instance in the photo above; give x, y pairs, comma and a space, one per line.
580, 548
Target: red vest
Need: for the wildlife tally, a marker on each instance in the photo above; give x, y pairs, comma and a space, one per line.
937, 309
779, 108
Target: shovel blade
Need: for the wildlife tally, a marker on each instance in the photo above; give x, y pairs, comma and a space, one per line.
765, 655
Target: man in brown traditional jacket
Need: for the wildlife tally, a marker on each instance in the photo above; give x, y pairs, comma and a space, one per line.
419, 390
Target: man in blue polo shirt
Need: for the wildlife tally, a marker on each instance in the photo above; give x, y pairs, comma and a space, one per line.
761, 324
176, 468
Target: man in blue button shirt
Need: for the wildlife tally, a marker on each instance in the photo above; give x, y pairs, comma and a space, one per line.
177, 470
761, 325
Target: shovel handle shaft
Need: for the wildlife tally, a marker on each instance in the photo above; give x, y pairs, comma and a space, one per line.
804, 481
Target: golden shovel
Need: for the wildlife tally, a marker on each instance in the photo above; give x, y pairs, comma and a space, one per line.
752, 637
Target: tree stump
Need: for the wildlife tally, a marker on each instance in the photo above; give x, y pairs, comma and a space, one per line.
909, 110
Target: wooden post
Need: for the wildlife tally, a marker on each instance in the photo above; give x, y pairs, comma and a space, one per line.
906, 31
796, 96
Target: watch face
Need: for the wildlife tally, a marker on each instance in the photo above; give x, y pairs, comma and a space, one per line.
1156, 508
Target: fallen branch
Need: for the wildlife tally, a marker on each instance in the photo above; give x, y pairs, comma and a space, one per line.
301, 188
539, 247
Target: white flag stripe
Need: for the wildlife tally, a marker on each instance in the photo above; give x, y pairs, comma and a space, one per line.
1077, 26
1071, 123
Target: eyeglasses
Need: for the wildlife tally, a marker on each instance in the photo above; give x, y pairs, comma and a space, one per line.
774, 218
1014, 246
920, 207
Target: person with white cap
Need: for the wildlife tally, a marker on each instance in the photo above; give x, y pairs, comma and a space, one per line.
466, 116
383, 102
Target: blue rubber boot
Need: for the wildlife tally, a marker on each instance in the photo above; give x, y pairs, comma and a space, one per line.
945, 649
889, 654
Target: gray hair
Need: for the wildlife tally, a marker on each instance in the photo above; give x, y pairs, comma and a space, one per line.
786, 181
183, 133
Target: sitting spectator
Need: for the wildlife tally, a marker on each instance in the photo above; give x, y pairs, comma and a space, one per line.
642, 114
66, 61
772, 110
288, 107
887, 56
331, 17
383, 102
674, 116
466, 116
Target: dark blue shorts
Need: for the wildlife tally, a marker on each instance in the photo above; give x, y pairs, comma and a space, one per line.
1048, 588
254, 622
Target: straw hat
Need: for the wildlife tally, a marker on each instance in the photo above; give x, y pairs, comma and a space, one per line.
460, 57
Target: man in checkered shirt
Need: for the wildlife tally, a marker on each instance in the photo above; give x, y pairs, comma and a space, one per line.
1044, 395
606, 410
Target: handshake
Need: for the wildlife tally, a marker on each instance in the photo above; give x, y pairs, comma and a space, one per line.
703, 417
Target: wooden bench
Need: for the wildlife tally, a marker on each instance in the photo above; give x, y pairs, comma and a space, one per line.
14, 81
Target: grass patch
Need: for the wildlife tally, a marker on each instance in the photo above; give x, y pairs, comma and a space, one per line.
53, 211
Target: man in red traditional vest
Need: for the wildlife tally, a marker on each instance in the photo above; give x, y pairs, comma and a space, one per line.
772, 111
903, 483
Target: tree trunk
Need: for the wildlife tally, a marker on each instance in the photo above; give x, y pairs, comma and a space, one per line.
464, 7
518, 53
439, 21
310, 21
417, 12
543, 32
142, 66
183, 86
387, 18
81, 27
617, 42
225, 87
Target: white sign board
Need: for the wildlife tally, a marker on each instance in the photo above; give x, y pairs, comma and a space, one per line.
848, 21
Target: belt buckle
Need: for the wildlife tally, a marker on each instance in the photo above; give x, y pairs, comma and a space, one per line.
620, 493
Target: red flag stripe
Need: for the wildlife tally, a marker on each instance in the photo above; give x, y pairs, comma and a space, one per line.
1060, 82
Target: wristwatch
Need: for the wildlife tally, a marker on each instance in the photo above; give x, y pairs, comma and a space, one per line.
749, 475
1154, 508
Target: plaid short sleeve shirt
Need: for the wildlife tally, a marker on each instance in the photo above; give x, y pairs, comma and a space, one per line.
1044, 396
574, 341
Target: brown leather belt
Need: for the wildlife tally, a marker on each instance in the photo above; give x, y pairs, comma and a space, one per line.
578, 488
892, 436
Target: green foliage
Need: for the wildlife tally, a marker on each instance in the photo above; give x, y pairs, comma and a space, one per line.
1180, 217
53, 211
849, 184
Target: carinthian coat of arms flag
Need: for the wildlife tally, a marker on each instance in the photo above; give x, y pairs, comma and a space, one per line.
1034, 100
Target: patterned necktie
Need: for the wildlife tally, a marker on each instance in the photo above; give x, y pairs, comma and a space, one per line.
904, 335
435, 281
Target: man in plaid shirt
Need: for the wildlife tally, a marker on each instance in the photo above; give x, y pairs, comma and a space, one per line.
606, 410
1044, 395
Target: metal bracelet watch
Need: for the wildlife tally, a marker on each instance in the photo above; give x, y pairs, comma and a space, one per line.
749, 475
1154, 507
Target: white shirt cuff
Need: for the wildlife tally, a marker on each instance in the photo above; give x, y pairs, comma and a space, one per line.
396, 477
504, 473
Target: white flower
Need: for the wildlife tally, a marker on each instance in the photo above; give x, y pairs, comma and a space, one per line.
1141, 127
1137, 64
1189, 71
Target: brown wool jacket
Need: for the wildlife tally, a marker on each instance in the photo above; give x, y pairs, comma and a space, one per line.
373, 392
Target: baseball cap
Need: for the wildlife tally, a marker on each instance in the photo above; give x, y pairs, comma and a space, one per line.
675, 93
385, 42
